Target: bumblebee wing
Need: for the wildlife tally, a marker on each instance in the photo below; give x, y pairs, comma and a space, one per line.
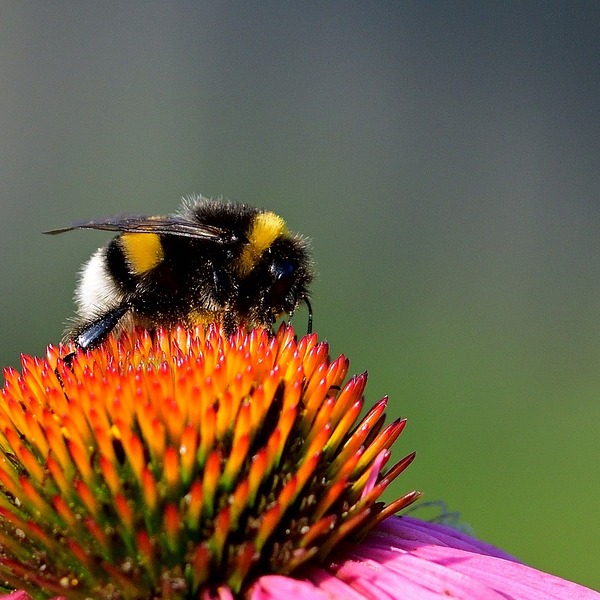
162, 225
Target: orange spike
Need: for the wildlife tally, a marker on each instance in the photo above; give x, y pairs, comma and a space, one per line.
57, 445
239, 502
134, 449
172, 524
270, 519
343, 426
35, 434
314, 356
58, 475
15, 411
157, 440
257, 472
187, 452
212, 472
395, 506
241, 380
80, 554
62, 508
77, 424
124, 511
384, 440
30, 462
207, 437
195, 501
361, 433
37, 533
97, 533
82, 461
307, 468
171, 469
11, 485
226, 414
257, 408
195, 408
291, 366
242, 423
35, 500
292, 393
270, 384
372, 474
287, 419
221, 531
201, 563
400, 466
104, 441
339, 533
332, 493
315, 394
321, 418
344, 469
273, 450
110, 475
246, 556
149, 489
351, 392
174, 419
288, 493
234, 463
147, 554
316, 530
318, 442
87, 498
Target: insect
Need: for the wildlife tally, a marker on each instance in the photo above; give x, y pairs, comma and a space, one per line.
210, 262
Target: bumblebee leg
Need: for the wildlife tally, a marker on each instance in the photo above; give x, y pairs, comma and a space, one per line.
310, 315
92, 334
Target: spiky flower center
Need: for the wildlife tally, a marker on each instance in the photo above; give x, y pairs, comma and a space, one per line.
166, 466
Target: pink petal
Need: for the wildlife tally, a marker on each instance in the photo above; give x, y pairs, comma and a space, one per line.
422, 532
515, 579
329, 583
414, 560
279, 587
429, 576
222, 593
427, 560
19, 595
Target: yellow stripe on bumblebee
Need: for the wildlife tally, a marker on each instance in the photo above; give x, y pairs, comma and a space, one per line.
266, 228
143, 251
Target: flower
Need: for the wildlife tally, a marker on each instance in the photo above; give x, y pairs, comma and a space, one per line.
406, 558
192, 465
178, 465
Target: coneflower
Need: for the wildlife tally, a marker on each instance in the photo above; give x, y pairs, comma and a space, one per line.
190, 464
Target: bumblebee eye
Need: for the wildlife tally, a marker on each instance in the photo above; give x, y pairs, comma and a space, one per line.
283, 273
282, 269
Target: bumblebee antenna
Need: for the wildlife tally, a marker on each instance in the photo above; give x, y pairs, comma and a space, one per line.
310, 315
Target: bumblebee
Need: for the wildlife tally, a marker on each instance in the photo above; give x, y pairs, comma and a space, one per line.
211, 262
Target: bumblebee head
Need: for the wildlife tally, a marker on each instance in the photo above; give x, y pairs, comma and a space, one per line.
289, 269
276, 269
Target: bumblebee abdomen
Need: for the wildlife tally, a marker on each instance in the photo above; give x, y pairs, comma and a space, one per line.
99, 289
142, 251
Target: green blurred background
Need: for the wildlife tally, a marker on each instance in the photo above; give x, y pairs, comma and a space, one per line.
443, 158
